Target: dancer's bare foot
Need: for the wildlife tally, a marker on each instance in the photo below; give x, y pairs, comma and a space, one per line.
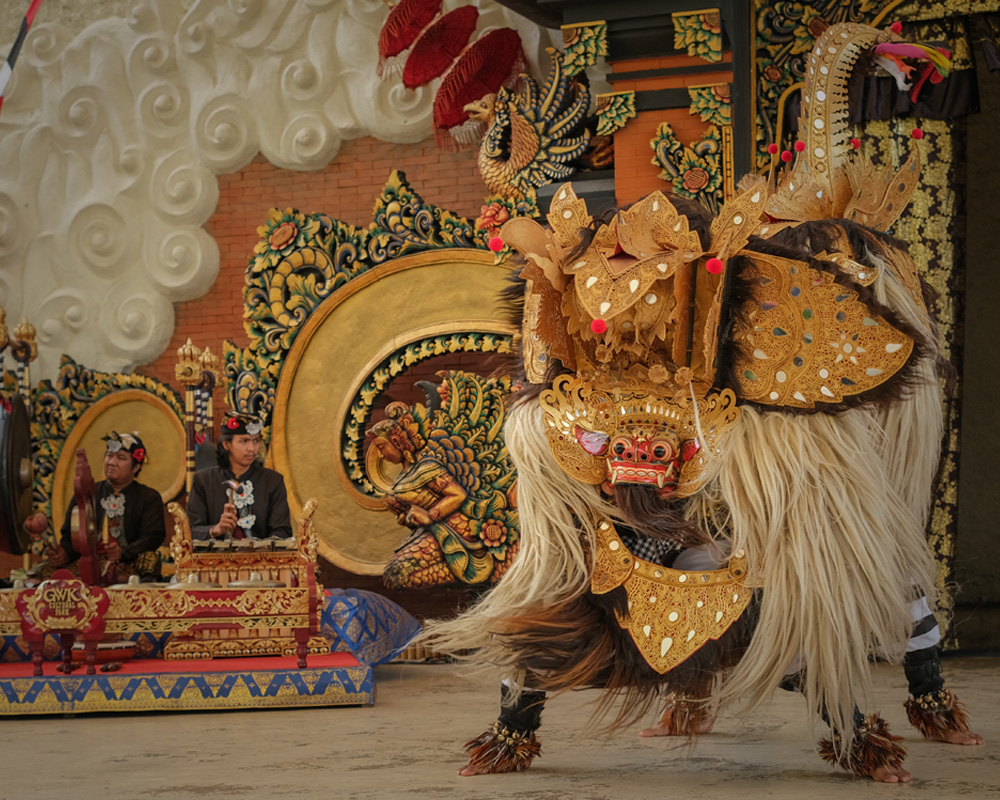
941, 717
679, 720
959, 737
890, 775
472, 769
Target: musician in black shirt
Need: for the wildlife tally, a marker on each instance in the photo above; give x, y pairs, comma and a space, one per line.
240, 498
134, 513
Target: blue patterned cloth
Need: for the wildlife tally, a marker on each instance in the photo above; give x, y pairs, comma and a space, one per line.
15, 648
369, 626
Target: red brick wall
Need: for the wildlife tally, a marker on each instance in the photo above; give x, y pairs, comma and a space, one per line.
346, 190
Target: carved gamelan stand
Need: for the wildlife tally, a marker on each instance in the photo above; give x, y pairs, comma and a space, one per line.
271, 574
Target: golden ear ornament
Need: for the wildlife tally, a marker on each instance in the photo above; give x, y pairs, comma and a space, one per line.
878, 197
671, 613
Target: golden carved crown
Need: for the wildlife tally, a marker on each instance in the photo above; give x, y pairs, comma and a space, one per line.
644, 295
636, 314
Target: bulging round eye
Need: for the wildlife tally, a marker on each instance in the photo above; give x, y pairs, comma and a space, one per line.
659, 451
618, 448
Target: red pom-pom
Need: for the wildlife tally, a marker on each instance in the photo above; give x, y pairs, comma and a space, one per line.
714, 265
855, 143
896, 27
598, 326
800, 146
495, 244
918, 133
772, 148
786, 156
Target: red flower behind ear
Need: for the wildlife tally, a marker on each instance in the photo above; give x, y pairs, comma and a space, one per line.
139, 454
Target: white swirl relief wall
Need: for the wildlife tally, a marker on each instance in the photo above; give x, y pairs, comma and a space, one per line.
111, 140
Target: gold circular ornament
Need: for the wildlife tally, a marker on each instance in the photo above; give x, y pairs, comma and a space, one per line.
125, 411
347, 339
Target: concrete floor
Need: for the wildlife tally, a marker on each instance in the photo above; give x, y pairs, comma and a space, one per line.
409, 745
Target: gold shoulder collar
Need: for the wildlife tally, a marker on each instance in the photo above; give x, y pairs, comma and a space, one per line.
671, 613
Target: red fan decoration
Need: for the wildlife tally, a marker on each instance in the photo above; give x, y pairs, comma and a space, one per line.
493, 61
439, 46
405, 23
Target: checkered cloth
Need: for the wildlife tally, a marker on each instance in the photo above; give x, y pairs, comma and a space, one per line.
656, 551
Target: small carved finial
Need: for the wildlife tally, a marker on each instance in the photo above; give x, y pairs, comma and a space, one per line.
210, 362
188, 369
25, 331
188, 352
23, 346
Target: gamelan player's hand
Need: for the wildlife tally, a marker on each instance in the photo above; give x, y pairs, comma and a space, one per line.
113, 550
57, 556
227, 522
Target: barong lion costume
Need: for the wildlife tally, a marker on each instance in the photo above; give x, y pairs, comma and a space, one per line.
725, 441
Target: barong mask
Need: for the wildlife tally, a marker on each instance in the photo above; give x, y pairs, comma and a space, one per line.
637, 315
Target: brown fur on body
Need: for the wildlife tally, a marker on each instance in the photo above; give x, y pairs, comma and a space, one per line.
643, 511
943, 715
579, 644
836, 548
873, 748
543, 620
823, 504
840, 554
